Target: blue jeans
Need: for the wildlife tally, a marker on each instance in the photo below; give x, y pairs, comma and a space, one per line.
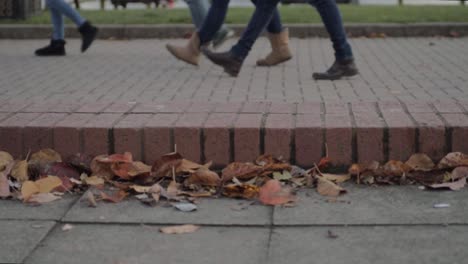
217, 14
328, 11
199, 10
58, 8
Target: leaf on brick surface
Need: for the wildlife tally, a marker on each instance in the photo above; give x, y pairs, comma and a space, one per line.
45, 156
80, 161
188, 166
336, 178
172, 192
271, 164
61, 169
139, 168
28, 189
420, 162
357, 169
179, 229
20, 171
204, 177
163, 167
452, 160
41, 198
454, 186
240, 170
115, 197
245, 191
328, 188
272, 193
48, 184
101, 169
5, 159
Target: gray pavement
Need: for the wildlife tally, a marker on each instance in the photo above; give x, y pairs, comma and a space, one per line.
406, 69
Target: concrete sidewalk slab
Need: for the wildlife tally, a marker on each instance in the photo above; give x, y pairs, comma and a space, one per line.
369, 245
16, 210
371, 205
210, 212
111, 244
19, 238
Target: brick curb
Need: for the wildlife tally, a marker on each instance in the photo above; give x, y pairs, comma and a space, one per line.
296, 30
224, 132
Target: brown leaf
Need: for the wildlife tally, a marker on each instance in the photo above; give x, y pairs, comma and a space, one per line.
203, 176
395, 168
116, 158
5, 159
271, 164
28, 189
91, 200
459, 172
61, 170
42, 198
337, 178
454, 186
48, 184
100, 169
93, 181
172, 192
4, 185
121, 169
427, 177
324, 163
420, 162
328, 188
163, 166
272, 193
45, 156
452, 160
190, 166
20, 171
80, 161
138, 168
240, 170
179, 229
115, 197
245, 191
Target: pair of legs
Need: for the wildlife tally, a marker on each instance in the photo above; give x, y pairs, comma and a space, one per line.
344, 64
199, 11
59, 9
213, 22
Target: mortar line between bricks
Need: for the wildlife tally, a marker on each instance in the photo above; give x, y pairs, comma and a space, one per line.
110, 134
447, 128
232, 139
202, 138
416, 132
262, 133
354, 147
386, 133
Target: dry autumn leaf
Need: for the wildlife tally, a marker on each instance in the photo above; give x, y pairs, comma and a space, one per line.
420, 162
42, 198
240, 170
459, 172
454, 186
4, 184
245, 191
337, 178
139, 168
163, 167
115, 197
5, 159
28, 189
20, 171
45, 156
270, 164
272, 193
179, 229
93, 181
395, 168
101, 169
452, 160
204, 177
48, 184
328, 188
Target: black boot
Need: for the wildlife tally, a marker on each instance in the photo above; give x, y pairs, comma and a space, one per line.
88, 34
55, 48
231, 64
338, 70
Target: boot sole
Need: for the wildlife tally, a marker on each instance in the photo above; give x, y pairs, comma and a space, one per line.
179, 57
273, 64
334, 78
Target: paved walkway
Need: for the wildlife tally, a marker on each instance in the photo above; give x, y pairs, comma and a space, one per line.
143, 71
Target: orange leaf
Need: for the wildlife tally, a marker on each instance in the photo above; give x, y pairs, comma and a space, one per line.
125, 158
272, 193
203, 176
324, 163
246, 191
240, 170
48, 184
28, 189
115, 197
163, 166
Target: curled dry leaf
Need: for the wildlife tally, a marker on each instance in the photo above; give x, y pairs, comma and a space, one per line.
42, 198
272, 193
204, 177
163, 166
173, 191
121, 169
459, 172
245, 191
115, 197
395, 168
420, 162
61, 169
337, 178
4, 184
156, 191
179, 229
45, 156
28, 189
115, 158
324, 163
452, 160
328, 188
80, 161
20, 171
139, 168
101, 169
270, 164
5, 159
188, 166
454, 186
91, 200
48, 184
93, 181
240, 170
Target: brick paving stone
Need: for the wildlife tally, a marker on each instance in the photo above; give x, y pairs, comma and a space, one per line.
432, 139
309, 140
97, 134
459, 130
67, 134
187, 135
339, 137
157, 136
217, 138
38, 134
247, 131
11, 132
128, 135
279, 135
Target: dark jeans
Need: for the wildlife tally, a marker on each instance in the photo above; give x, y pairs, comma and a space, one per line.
328, 11
217, 14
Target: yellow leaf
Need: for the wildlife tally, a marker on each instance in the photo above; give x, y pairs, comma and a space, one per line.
179, 229
48, 183
93, 180
20, 171
5, 159
45, 156
28, 189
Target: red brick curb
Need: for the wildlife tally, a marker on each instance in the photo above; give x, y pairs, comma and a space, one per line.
224, 132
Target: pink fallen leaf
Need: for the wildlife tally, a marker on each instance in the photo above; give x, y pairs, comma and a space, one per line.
454, 186
272, 193
42, 198
179, 229
328, 188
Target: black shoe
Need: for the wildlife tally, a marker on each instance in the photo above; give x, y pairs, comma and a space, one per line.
227, 60
55, 48
339, 69
88, 34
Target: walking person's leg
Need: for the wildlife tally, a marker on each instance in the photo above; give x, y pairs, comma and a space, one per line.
58, 8
344, 60
199, 10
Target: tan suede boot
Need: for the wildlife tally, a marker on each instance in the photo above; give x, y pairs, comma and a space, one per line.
279, 49
190, 53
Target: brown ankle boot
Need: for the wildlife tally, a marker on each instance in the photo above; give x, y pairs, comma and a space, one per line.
190, 53
279, 49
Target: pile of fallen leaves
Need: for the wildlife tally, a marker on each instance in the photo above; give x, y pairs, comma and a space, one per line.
44, 177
